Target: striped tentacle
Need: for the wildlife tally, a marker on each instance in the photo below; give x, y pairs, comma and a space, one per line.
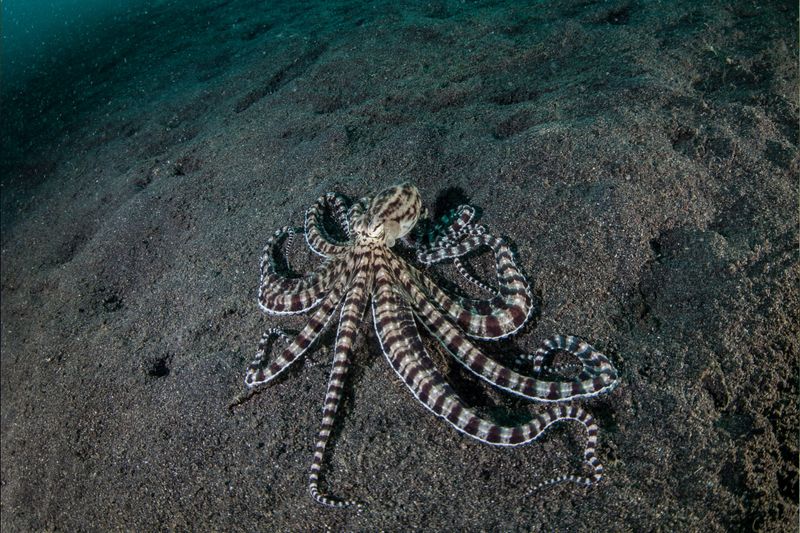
472, 279
317, 238
468, 242
575, 346
279, 294
357, 212
340, 211
499, 316
351, 315
403, 348
597, 376
462, 221
261, 370
511, 304
448, 229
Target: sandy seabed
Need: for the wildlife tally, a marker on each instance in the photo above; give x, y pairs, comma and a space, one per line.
641, 156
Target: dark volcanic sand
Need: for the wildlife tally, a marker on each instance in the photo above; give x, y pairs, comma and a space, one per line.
641, 157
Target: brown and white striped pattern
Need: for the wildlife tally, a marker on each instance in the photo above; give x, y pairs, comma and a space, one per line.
281, 295
405, 352
262, 371
364, 268
596, 378
501, 315
318, 240
351, 315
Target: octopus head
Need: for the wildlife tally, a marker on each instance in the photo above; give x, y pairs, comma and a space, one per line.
392, 214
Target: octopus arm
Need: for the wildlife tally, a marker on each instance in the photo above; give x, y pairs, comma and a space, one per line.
497, 317
510, 305
405, 352
261, 370
596, 377
279, 294
350, 317
318, 239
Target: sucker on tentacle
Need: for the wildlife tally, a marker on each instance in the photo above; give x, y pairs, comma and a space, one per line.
363, 272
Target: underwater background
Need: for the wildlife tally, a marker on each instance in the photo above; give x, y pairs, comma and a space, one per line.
641, 156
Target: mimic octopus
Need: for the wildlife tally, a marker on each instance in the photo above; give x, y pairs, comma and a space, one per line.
362, 268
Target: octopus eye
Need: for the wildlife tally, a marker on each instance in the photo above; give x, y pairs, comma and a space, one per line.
375, 230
